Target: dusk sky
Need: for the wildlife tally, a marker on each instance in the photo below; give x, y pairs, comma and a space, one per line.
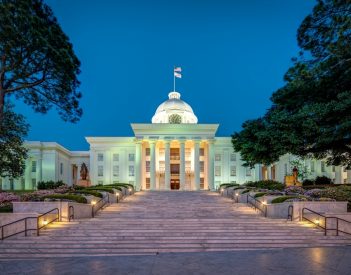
233, 55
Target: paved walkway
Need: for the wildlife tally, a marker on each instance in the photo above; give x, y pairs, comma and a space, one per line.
150, 223
299, 261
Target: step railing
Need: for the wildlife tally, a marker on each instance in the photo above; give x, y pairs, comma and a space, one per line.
41, 221
70, 213
324, 218
25, 230
44, 219
290, 212
257, 204
96, 206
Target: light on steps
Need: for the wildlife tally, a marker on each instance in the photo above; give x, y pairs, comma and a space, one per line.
93, 202
317, 221
45, 222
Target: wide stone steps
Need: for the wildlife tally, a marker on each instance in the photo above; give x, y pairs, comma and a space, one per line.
158, 222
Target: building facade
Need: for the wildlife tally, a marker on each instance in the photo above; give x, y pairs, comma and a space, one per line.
173, 152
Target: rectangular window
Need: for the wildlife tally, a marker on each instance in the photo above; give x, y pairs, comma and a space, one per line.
233, 171
131, 170
217, 171
115, 157
100, 182
115, 169
333, 168
232, 157
34, 166
202, 180
61, 168
175, 169
147, 166
248, 171
100, 171
202, 152
323, 166
202, 166
218, 157
100, 157
131, 157
147, 151
312, 166
147, 183
23, 184
34, 184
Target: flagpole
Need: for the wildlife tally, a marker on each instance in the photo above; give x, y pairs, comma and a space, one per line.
174, 80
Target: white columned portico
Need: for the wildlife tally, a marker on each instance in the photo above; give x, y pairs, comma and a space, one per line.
152, 166
138, 166
167, 165
210, 161
182, 165
197, 164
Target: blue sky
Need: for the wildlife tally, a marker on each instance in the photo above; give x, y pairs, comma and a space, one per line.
233, 55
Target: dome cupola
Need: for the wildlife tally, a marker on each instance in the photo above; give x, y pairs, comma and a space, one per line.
174, 111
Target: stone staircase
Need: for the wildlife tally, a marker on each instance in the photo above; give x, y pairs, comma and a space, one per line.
173, 221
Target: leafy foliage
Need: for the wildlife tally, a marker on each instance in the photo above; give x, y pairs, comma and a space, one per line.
322, 180
266, 184
311, 114
67, 197
49, 184
37, 61
12, 153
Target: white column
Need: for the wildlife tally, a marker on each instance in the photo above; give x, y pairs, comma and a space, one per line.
182, 165
152, 166
197, 165
269, 172
138, 165
338, 174
210, 159
167, 165
348, 176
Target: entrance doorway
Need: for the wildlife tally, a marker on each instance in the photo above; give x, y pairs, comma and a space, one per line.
175, 184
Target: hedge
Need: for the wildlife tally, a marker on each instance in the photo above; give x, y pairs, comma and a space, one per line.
88, 192
49, 184
266, 184
104, 189
261, 194
283, 199
71, 197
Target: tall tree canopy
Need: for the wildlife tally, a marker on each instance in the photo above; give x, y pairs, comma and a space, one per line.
311, 114
12, 152
37, 61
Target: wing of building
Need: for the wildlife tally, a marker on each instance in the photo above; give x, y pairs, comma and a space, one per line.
172, 152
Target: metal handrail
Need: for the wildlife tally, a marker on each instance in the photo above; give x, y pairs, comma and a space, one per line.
47, 223
23, 231
325, 222
93, 210
70, 213
290, 212
264, 211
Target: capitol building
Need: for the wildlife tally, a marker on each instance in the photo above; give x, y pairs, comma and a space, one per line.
174, 152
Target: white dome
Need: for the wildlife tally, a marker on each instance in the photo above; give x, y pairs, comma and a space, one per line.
174, 110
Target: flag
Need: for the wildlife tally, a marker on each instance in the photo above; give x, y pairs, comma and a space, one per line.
177, 69
178, 75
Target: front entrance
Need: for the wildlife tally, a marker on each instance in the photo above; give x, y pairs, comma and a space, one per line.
175, 184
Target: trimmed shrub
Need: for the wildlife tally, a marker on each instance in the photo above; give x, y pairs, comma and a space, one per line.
307, 182
261, 194
49, 184
88, 192
266, 184
283, 199
245, 191
323, 180
69, 197
108, 189
6, 208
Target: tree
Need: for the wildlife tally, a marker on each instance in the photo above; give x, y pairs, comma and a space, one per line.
37, 61
311, 113
12, 152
